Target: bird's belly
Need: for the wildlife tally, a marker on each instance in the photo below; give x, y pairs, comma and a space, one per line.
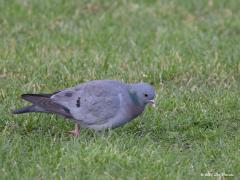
112, 123
108, 125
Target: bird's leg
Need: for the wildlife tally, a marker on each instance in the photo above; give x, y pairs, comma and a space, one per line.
76, 131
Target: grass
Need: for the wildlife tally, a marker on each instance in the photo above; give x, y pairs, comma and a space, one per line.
189, 50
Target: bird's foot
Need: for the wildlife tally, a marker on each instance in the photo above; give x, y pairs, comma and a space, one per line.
76, 131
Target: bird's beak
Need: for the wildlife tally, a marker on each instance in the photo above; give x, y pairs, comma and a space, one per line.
152, 103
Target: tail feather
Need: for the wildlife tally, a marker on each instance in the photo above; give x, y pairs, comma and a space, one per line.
30, 97
34, 98
25, 109
42, 103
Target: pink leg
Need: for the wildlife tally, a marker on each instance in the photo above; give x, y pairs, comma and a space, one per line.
76, 131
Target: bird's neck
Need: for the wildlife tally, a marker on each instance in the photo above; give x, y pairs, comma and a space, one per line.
134, 97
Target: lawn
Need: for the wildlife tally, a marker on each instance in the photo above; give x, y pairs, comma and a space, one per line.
188, 49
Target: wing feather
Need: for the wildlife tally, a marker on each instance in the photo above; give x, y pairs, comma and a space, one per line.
90, 104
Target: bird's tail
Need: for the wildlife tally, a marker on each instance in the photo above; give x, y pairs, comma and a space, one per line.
33, 98
42, 103
25, 109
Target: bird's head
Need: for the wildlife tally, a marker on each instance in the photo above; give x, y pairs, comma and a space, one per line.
142, 94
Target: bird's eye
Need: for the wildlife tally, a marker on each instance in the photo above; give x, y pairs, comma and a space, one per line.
146, 95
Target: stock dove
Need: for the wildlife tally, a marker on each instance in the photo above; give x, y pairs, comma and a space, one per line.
98, 104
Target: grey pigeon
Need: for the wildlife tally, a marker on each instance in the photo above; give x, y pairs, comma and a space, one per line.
98, 105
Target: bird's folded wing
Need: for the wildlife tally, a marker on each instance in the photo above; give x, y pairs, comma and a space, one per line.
88, 106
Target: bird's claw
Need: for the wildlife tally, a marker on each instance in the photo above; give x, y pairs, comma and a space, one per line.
74, 133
